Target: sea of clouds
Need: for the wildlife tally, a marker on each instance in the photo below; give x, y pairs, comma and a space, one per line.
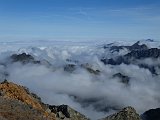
96, 96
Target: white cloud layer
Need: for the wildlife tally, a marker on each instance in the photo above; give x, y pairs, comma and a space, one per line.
88, 93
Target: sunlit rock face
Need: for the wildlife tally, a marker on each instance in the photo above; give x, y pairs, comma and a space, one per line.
17, 99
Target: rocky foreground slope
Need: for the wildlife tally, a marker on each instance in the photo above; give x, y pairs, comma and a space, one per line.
17, 103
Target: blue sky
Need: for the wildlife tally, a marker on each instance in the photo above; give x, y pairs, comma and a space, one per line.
79, 19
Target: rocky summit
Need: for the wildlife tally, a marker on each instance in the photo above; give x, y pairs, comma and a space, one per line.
23, 58
135, 46
127, 113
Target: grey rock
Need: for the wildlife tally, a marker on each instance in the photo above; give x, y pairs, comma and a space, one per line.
127, 113
67, 113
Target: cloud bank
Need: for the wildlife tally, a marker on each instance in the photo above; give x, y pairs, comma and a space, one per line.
90, 94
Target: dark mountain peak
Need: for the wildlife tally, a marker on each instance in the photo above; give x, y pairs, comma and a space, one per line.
141, 54
149, 40
124, 79
133, 56
23, 58
152, 114
135, 46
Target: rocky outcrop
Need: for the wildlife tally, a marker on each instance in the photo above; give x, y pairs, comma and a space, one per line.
127, 113
17, 103
152, 114
90, 69
123, 79
72, 67
65, 112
